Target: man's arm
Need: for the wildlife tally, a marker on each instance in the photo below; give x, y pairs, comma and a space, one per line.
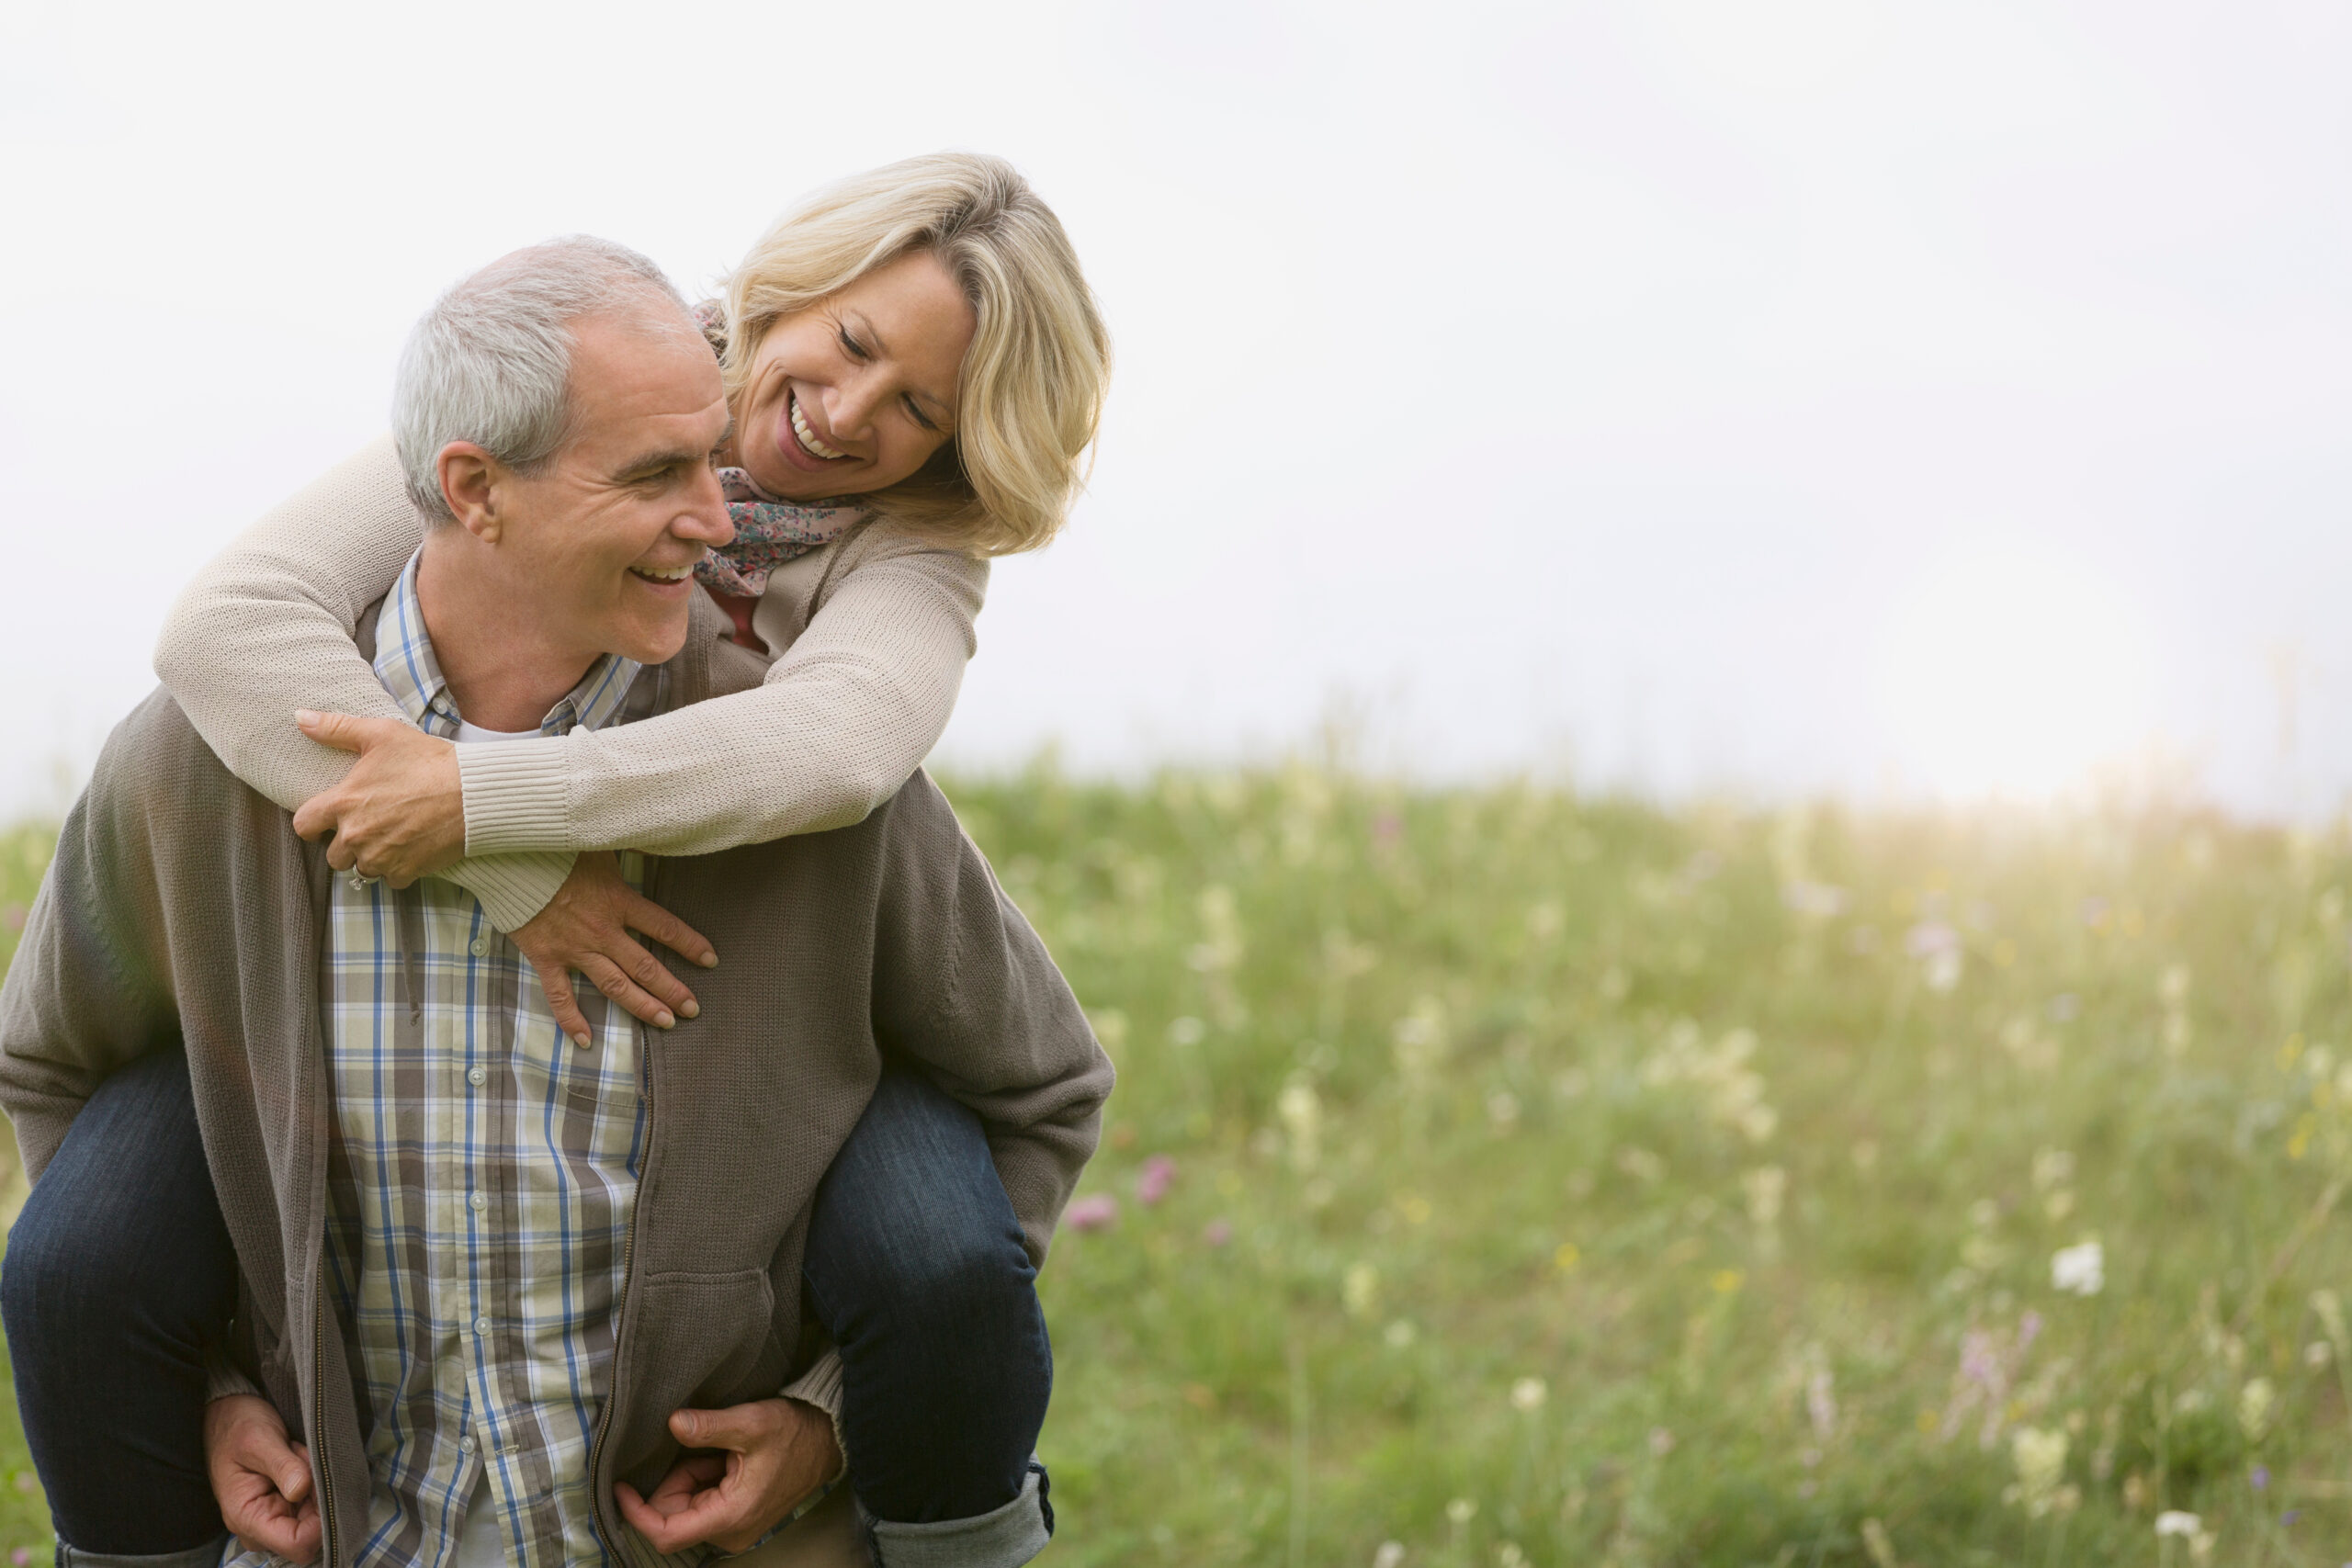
963, 987
87, 990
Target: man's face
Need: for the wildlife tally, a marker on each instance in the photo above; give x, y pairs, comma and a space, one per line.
607, 534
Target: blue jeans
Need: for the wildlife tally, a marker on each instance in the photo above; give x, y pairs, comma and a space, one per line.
119, 1272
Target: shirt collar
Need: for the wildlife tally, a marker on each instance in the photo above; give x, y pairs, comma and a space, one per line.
405, 664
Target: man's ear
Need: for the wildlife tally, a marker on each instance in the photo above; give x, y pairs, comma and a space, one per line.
471, 480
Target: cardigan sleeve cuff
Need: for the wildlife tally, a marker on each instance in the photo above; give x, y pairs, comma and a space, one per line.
820, 1386
516, 795
222, 1378
512, 888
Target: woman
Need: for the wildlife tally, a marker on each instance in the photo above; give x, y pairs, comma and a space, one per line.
914, 348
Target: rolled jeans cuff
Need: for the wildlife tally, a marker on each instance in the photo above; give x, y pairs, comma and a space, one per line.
1003, 1538
194, 1557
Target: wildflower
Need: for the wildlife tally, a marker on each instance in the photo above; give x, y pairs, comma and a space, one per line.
1360, 1290
1527, 1395
1302, 1113
2259, 1478
2052, 1168
1510, 1556
2256, 1404
1817, 900
1821, 1403
1765, 1186
1879, 1544
2172, 1521
2329, 1307
2080, 1269
1401, 1334
1216, 1232
1390, 1554
1099, 1211
1503, 1110
1187, 1031
2041, 1459
1461, 1511
1726, 1282
1159, 1172
1565, 1255
1661, 1442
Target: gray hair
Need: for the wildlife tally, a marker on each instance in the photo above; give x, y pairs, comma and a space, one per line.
491, 363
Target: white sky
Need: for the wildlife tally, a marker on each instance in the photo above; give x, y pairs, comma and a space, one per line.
1697, 393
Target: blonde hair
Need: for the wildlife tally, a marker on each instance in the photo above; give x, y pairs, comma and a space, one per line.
1029, 395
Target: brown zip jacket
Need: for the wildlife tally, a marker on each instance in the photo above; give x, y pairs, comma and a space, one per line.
182, 910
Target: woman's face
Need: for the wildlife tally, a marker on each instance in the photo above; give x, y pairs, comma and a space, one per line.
855, 393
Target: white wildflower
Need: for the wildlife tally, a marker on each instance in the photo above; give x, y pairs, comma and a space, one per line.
2257, 1401
1391, 1555
1360, 1290
2041, 1459
2080, 1269
1527, 1395
1302, 1114
2173, 1521
1461, 1511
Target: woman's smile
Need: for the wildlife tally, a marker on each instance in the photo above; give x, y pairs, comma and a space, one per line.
809, 439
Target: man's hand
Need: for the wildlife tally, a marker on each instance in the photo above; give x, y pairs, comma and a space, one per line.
261, 1481
401, 812
586, 926
771, 1455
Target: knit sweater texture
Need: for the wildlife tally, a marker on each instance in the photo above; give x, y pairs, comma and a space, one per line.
182, 910
876, 629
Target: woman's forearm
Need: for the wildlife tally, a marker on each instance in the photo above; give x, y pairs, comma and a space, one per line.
844, 718
266, 627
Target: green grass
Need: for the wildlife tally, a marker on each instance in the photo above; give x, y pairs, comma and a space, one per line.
1564, 1181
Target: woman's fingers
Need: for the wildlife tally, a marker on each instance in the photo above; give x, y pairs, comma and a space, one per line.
650, 919
556, 981
607, 977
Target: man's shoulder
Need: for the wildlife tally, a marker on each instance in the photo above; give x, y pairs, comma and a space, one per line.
156, 763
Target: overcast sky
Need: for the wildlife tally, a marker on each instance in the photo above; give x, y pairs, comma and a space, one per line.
1774, 395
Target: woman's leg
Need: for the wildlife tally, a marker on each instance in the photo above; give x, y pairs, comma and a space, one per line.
117, 1274
917, 1267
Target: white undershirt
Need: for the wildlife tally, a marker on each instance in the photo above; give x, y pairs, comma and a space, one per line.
472, 732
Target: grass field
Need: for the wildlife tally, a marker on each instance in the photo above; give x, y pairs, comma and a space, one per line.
1503, 1178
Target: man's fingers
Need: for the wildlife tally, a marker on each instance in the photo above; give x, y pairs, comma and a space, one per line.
607, 977
341, 731
735, 1426
318, 815
556, 982
645, 916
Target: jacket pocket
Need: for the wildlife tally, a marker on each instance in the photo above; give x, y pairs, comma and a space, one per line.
712, 1338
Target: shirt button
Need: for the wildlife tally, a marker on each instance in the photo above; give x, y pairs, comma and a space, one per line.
482, 1325
480, 1201
466, 1444
477, 1077
478, 946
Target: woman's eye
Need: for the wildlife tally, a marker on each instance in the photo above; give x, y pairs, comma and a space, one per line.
914, 410
851, 346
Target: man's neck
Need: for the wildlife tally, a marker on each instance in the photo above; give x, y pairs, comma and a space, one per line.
505, 667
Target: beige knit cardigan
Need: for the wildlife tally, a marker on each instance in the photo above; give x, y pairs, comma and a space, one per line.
873, 632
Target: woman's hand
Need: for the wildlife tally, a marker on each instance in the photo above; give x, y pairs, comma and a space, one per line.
586, 926
401, 812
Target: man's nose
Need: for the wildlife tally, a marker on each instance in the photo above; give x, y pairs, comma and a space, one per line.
704, 517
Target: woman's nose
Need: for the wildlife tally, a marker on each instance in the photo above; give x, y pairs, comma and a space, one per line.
852, 408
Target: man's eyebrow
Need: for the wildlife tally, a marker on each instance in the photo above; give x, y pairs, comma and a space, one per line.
652, 463
725, 436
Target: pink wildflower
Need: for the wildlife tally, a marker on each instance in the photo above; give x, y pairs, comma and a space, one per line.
1159, 1174
1216, 1232
1098, 1212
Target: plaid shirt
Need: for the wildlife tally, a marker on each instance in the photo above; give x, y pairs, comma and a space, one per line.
481, 1179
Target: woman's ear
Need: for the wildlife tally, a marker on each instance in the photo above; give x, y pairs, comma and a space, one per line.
470, 486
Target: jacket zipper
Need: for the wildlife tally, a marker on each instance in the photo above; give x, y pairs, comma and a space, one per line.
629, 1287
318, 1398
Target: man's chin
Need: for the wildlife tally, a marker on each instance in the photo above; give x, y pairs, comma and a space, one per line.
655, 642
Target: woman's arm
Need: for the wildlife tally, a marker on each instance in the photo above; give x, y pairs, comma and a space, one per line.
267, 628
843, 720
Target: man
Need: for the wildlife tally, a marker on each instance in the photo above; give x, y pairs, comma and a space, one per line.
493, 1281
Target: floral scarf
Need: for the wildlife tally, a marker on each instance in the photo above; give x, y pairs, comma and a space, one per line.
768, 532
